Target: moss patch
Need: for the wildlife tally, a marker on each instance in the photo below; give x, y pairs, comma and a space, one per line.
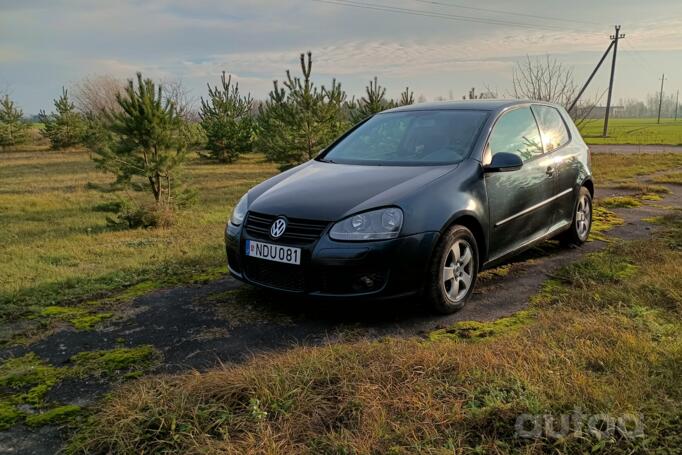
79, 318
53, 416
8, 415
210, 275
653, 219
474, 330
603, 220
137, 290
88, 322
616, 202
27, 379
60, 311
24, 380
651, 197
107, 362
500, 271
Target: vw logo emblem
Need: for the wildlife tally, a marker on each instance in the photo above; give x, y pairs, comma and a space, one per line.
278, 228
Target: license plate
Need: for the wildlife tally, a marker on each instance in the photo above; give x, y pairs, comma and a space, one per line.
277, 253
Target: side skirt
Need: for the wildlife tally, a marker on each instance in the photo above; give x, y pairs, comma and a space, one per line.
509, 254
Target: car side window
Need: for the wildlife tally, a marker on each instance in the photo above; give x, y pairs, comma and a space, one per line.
552, 127
516, 132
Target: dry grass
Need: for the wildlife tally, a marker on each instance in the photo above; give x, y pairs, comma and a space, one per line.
674, 178
605, 338
623, 169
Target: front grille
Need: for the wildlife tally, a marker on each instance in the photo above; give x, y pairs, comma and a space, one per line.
287, 277
298, 231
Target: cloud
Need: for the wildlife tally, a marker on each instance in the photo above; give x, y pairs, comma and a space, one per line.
47, 43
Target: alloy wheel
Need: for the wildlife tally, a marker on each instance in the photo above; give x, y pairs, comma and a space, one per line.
458, 270
583, 217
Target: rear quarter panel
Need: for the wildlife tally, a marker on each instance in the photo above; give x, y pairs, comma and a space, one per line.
573, 166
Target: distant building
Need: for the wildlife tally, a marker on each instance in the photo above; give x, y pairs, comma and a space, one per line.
599, 111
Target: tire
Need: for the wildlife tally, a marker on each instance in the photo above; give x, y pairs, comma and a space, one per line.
579, 231
455, 258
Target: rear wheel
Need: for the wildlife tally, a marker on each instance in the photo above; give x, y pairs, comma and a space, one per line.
582, 220
453, 270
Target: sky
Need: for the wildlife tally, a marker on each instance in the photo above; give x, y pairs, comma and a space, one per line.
438, 48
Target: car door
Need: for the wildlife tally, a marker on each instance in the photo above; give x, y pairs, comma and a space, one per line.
564, 154
519, 202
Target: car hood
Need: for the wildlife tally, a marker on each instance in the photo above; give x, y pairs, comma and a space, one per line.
330, 191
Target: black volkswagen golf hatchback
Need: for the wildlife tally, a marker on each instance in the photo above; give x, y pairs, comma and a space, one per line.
416, 201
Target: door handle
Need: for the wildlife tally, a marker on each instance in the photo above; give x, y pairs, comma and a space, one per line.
550, 171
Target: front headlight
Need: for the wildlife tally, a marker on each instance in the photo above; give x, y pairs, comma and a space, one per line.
239, 211
375, 225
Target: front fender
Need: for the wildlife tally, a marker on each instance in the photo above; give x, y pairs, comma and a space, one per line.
458, 194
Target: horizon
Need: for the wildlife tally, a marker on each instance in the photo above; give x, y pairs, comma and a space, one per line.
437, 48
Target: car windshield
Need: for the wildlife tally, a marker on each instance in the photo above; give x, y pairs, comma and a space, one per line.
410, 138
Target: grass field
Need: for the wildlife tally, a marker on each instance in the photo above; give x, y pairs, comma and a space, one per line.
57, 245
634, 131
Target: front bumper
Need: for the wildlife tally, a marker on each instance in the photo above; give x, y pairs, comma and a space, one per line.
332, 269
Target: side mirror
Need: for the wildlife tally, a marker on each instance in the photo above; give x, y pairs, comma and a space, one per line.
504, 162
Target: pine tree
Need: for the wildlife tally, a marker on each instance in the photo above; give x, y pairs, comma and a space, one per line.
64, 128
226, 119
144, 139
374, 102
12, 127
406, 97
299, 119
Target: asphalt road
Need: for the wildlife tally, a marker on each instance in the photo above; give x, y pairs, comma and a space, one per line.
636, 148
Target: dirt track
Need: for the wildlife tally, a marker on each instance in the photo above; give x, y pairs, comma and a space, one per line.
224, 321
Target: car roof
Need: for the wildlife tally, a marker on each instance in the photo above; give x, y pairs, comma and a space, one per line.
481, 105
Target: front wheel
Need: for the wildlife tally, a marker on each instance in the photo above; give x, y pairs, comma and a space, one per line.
582, 220
453, 270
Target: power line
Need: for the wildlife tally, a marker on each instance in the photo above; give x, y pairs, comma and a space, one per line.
423, 13
511, 13
645, 64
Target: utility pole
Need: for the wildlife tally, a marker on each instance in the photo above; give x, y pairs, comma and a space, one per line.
615, 37
589, 79
660, 100
677, 102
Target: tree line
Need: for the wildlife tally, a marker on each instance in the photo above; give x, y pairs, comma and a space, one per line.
143, 135
143, 131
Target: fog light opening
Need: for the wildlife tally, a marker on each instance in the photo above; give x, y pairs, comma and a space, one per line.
367, 281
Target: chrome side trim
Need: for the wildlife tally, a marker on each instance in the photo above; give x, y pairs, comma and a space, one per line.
536, 206
514, 251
